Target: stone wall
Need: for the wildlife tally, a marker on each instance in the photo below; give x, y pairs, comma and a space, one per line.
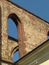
32, 30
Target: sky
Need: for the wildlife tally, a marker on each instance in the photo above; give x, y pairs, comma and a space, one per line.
38, 7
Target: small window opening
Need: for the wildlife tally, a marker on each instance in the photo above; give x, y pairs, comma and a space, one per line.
16, 56
48, 35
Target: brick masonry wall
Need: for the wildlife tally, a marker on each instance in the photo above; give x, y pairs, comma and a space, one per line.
5, 64
32, 31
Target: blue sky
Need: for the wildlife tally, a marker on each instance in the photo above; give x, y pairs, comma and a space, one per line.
38, 7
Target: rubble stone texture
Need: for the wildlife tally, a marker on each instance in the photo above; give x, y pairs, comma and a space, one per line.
32, 31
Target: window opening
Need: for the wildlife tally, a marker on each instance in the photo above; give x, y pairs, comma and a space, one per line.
48, 35
13, 33
16, 56
12, 29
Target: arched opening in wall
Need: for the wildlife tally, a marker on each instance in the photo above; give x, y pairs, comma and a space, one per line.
48, 35
13, 33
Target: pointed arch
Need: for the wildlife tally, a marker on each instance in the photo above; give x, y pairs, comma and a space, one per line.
15, 20
13, 17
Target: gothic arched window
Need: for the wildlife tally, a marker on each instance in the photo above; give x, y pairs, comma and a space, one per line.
13, 32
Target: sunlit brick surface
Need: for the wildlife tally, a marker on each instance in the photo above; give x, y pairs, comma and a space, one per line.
32, 30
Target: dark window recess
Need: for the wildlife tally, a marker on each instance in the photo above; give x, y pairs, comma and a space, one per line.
48, 35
